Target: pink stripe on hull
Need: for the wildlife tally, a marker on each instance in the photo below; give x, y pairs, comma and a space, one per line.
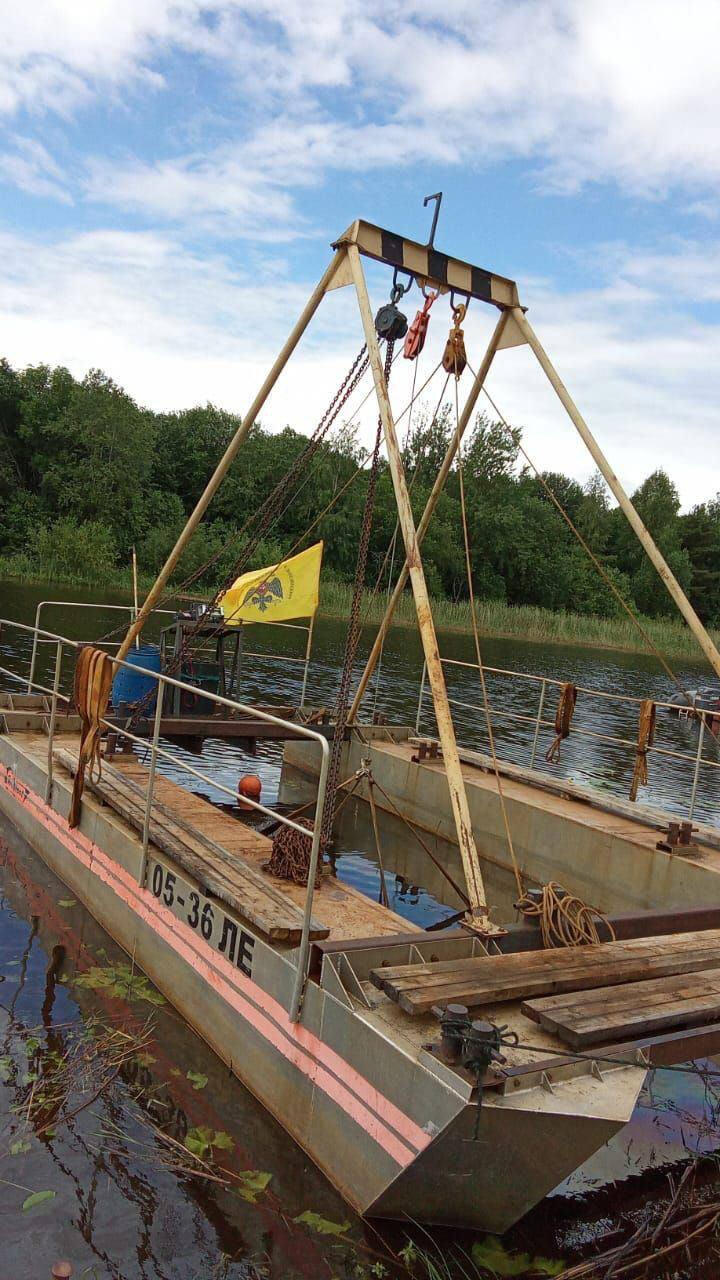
301, 1047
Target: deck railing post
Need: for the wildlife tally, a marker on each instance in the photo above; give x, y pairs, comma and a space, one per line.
307, 661
418, 717
698, 762
538, 721
151, 783
33, 655
304, 948
53, 718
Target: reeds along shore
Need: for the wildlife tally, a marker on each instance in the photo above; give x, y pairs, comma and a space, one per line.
495, 618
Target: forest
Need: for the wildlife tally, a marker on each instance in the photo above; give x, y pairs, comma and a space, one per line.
86, 474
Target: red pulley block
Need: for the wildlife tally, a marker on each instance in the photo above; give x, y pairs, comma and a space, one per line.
415, 340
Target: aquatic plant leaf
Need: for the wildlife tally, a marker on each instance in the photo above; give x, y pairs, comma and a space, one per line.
492, 1254
199, 1140
254, 1182
223, 1142
175, 1072
119, 980
322, 1225
5, 1069
19, 1147
37, 1197
67, 902
145, 1059
197, 1079
30, 1045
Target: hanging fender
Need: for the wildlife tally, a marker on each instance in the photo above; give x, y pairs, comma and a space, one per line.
416, 334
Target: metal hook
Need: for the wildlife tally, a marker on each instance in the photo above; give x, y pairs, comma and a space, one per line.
433, 294
398, 288
454, 305
438, 201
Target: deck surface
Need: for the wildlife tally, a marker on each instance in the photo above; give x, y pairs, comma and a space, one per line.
342, 910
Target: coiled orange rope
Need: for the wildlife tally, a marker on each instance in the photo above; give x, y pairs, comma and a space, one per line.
565, 921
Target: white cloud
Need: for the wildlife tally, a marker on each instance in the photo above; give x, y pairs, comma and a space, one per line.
29, 166
623, 91
178, 329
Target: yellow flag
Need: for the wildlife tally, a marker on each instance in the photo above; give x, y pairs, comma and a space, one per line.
282, 591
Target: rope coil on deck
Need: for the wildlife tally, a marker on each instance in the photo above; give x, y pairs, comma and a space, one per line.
646, 733
91, 691
563, 718
565, 920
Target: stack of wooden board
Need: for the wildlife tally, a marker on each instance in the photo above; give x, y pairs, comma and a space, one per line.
629, 1011
485, 980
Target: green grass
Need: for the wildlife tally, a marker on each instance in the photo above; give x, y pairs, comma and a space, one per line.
521, 622
525, 622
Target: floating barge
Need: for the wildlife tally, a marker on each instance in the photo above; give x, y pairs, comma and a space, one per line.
454, 1076
362, 1080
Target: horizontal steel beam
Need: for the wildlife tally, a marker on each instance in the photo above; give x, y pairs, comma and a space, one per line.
429, 266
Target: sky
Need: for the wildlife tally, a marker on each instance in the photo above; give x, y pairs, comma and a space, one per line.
173, 172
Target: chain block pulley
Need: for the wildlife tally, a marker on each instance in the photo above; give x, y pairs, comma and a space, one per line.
415, 340
390, 323
454, 357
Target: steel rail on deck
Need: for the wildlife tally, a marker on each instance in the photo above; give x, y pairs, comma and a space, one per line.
74, 604
696, 759
62, 642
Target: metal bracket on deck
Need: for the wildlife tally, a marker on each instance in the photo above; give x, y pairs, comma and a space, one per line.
427, 750
679, 839
340, 979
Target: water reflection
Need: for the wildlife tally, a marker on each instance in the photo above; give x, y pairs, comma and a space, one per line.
585, 759
118, 1208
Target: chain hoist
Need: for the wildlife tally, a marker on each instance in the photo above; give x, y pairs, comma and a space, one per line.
265, 516
416, 334
454, 357
342, 702
390, 323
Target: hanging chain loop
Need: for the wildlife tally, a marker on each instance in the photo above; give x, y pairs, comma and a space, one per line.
353, 632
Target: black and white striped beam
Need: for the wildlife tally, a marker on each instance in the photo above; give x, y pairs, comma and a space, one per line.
429, 266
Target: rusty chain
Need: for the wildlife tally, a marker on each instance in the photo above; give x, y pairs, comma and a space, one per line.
353, 631
265, 516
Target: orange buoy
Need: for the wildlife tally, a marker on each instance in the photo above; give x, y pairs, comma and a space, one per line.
249, 786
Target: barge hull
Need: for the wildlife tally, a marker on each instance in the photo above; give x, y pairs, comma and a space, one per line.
363, 1107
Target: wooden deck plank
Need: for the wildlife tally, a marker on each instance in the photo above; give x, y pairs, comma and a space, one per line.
484, 980
595, 954
638, 1009
344, 910
228, 879
602, 1001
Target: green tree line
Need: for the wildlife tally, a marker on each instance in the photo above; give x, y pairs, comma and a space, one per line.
86, 473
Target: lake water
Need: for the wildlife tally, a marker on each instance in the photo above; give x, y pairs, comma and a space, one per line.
124, 1204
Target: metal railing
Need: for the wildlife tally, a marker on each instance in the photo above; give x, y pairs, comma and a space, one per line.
163, 682
536, 722
130, 608
77, 604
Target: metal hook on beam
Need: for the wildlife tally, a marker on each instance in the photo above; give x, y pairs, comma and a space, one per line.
438, 201
399, 289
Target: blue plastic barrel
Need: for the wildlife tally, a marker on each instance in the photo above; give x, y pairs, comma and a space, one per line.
130, 687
